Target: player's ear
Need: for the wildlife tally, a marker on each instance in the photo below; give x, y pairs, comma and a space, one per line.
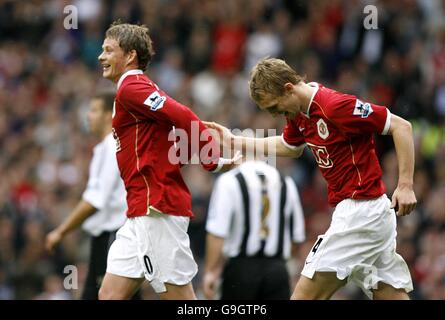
288, 87
132, 57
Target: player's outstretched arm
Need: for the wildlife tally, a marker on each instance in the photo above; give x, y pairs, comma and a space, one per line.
403, 199
81, 212
269, 146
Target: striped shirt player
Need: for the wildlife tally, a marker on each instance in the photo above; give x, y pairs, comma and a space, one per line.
154, 241
254, 218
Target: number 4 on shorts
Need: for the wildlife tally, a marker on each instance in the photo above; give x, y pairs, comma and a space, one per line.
316, 245
148, 264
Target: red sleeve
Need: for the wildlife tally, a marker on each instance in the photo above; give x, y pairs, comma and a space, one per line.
354, 116
291, 135
147, 102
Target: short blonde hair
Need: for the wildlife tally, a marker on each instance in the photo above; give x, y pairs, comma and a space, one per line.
269, 76
133, 37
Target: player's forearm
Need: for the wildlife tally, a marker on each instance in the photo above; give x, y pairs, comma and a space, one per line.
214, 246
401, 132
81, 212
270, 146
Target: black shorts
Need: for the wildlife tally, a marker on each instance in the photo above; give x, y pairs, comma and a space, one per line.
255, 279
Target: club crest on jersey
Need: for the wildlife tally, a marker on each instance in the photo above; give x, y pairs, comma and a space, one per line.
362, 109
155, 101
322, 128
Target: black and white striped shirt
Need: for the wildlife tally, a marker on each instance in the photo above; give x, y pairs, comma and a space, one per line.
257, 211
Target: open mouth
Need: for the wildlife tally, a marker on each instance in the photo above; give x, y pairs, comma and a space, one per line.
106, 67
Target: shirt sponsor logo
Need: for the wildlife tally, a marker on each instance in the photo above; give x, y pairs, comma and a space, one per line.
155, 101
362, 109
322, 128
321, 156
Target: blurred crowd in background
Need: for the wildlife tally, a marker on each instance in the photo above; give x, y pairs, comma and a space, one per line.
204, 52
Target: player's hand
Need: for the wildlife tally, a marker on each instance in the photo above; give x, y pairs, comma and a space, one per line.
229, 164
225, 136
403, 200
52, 239
210, 282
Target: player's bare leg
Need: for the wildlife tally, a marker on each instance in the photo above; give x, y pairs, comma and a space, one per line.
118, 288
321, 287
387, 292
175, 292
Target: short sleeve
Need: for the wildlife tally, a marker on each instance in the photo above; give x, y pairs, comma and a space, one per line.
221, 207
292, 137
354, 116
104, 173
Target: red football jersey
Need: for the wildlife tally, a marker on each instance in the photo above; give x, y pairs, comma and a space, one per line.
143, 117
339, 129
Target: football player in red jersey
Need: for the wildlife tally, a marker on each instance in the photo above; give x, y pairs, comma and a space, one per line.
360, 244
153, 241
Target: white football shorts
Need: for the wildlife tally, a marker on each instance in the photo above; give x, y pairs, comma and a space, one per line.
157, 246
360, 245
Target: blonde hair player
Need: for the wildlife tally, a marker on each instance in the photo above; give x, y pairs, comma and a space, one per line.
360, 244
153, 243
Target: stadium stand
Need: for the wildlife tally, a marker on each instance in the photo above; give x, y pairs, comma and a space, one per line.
204, 50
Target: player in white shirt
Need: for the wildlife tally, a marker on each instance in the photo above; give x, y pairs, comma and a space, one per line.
101, 211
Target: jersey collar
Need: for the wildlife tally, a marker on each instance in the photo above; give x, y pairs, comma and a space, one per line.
128, 73
314, 85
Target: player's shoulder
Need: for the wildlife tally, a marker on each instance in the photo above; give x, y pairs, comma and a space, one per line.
329, 100
103, 146
134, 82
326, 94
107, 146
109, 141
228, 177
334, 95
254, 166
